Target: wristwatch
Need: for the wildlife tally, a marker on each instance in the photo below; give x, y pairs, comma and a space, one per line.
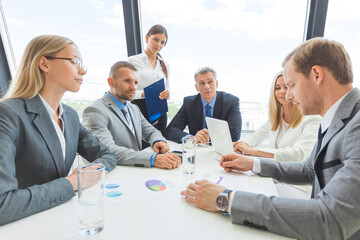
222, 201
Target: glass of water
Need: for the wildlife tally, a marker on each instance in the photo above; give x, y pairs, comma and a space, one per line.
91, 179
188, 157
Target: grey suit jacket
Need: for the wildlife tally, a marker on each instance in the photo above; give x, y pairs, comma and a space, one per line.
32, 168
334, 213
105, 120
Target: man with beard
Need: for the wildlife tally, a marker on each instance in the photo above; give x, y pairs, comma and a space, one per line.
120, 125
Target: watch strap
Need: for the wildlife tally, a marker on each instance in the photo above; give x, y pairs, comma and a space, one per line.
227, 191
225, 194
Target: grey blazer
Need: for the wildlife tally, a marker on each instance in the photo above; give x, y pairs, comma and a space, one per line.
32, 168
334, 212
105, 120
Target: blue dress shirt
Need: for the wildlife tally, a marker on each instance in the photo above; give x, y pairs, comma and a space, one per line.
211, 104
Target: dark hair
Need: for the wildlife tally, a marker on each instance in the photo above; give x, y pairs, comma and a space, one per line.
325, 53
118, 65
156, 29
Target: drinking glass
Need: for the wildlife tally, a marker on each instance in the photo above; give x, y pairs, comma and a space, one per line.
189, 146
91, 198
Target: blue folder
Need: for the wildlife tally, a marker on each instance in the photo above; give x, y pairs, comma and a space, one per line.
155, 106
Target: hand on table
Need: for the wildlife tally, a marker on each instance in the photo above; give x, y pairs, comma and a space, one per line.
167, 160
203, 194
235, 161
161, 147
243, 148
90, 179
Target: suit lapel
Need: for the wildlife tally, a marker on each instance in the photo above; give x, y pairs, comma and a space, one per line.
117, 111
198, 113
45, 126
218, 106
342, 114
136, 123
71, 139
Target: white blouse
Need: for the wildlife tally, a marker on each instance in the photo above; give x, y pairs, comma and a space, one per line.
146, 73
295, 145
282, 131
59, 131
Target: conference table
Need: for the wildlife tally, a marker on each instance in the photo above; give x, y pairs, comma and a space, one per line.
149, 217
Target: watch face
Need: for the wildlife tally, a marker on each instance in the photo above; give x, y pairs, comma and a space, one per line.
222, 202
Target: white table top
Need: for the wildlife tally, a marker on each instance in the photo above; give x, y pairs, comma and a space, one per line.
151, 218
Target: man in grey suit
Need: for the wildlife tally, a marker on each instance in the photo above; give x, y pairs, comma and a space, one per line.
121, 126
319, 78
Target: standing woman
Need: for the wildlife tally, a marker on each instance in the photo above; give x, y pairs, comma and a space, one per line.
39, 136
291, 135
151, 67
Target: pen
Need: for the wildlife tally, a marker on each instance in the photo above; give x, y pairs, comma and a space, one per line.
107, 169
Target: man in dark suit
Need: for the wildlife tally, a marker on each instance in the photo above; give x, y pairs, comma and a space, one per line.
319, 78
207, 103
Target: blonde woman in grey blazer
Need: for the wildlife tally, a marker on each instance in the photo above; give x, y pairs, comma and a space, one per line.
319, 78
39, 136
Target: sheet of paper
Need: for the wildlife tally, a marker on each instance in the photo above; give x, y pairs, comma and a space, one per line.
135, 189
232, 181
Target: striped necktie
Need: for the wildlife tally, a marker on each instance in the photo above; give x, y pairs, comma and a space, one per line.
127, 116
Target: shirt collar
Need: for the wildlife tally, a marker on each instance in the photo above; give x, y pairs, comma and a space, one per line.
329, 115
117, 102
145, 56
211, 104
49, 109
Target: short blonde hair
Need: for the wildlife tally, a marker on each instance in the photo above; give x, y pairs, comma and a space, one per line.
29, 78
275, 117
325, 53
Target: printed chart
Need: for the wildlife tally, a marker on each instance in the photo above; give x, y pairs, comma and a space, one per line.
155, 185
142, 188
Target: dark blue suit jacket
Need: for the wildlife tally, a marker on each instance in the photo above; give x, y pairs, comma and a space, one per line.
191, 114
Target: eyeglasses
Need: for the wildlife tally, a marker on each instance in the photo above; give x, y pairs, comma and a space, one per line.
74, 60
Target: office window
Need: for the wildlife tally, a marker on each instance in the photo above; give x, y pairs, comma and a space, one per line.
244, 41
342, 25
97, 28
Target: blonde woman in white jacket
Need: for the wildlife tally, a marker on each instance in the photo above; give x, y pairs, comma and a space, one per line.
291, 135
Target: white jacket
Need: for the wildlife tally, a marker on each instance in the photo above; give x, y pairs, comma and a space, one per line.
295, 145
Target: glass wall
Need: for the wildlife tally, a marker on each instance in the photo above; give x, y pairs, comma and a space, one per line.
245, 41
342, 25
97, 27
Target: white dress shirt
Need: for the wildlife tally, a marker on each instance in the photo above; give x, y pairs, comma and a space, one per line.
329, 115
146, 74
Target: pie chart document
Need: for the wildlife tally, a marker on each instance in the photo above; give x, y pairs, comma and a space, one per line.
155, 185
141, 188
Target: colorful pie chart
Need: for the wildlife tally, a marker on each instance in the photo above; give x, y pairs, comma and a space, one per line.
155, 185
